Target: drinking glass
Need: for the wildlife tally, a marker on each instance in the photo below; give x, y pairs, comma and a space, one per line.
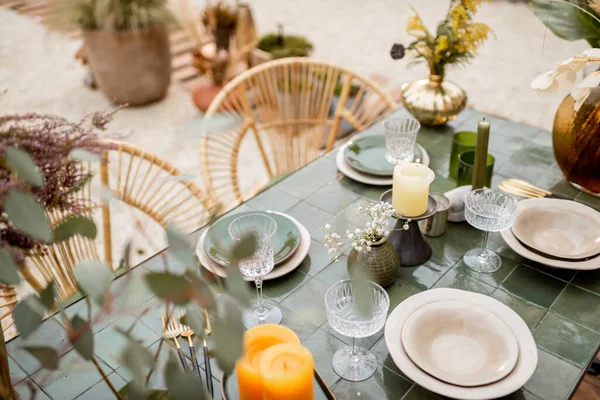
355, 363
466, 165
462, 141
257, 265
490, 211
400, 138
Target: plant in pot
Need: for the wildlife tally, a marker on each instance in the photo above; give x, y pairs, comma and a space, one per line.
126, 45
273, 46
435, 101
370, 253
576, 129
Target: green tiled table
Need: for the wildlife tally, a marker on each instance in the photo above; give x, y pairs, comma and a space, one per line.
561, 307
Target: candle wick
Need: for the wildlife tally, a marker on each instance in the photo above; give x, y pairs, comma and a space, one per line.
484, 118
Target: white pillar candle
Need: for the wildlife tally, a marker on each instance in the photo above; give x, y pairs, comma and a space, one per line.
411, 188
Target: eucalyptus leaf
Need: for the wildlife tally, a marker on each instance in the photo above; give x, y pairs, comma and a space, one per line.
75, 225
78, 154
204, 294
9, 271
23, 166
138, 360
94, 278
84, 344
567, 20
28, 315
244, 248
194, 318
228, 332
362, 290
180, 246
47, 356
47, 296
237, 286
170, 287
125, 261
27, 215
185, 385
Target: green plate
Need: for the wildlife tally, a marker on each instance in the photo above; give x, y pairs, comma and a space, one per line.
367, 155
218, 242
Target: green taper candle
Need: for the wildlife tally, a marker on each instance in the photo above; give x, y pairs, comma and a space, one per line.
481, 151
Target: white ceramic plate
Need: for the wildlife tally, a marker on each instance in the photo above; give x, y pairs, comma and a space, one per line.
291, 264
526, 363
560, 228
358, 176
460, 343
517, 247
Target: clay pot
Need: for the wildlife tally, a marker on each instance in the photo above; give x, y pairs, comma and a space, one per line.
131, 67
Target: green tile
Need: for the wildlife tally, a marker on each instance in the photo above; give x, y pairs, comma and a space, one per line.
419, 393
566, 339
589, 200
531, 313
497, 244
493, 279
309, 179
101, 390
422, 277
157, 378
399, 291
506, 144
278, 289
27, 389
131, 290
384, 384
332, 198
553, 377
562, 274
73, 377
300, 325
521, 395
449, 248
383, 356
339, 225
543, 138
149, 315
100, 318
323, 346
350, 213
534, 286
16, 372
564, 188
370, 192
441, 165
589, 280
272, 199
460, 280
579, 306
109, 344
334, 272
311, 217
530, 162
442, 185
317, 259
308, 301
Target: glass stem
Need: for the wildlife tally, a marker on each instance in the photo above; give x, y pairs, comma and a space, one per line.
354, 351
261, 312
485, 241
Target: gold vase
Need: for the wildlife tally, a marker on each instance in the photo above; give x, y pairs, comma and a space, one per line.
433, 101
576, 141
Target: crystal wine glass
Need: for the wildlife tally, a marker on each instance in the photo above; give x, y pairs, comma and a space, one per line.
490, 211
355, 363
400, 137
257, 265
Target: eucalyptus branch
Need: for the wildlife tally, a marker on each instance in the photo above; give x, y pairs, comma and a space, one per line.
108, 382
147, 382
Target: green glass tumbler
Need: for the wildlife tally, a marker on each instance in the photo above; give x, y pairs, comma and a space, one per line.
463, 141
466, 161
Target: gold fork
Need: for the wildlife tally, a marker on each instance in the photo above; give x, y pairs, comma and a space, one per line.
172, 331
188, 332
207, 369
522, 188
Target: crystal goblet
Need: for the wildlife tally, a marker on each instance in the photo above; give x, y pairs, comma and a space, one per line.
256, 266
355, 363
490, 211
400, 138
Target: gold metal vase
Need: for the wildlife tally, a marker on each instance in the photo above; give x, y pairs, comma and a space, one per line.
433, 101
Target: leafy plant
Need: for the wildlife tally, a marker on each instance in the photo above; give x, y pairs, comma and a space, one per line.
456, 39
117, 15
570, 19
282, 46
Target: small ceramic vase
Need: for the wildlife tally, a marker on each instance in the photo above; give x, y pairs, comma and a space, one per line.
382, 262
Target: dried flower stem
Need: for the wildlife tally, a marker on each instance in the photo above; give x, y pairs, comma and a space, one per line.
108, 382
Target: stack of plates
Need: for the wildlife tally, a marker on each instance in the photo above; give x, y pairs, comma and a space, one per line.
290, 244
460, 344
558, 233
363, 160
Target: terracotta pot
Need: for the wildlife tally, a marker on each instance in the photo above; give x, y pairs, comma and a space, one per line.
382, 262
433, 101
576, 141
205, 94
131, 67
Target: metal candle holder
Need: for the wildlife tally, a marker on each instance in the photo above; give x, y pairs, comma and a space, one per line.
411, 246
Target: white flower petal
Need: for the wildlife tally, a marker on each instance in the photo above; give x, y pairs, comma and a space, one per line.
579, 102
590, 81
592, 53
543, 81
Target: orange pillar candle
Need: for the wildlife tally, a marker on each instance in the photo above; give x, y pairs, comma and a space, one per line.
287, 372
256, 340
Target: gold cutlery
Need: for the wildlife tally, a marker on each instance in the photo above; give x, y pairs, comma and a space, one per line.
522, 188
172, 331
207, 369
188, 332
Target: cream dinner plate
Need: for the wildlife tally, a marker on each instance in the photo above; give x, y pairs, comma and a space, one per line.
375, 180
460, 343
284, 268
559, 228
523, 370
512, 241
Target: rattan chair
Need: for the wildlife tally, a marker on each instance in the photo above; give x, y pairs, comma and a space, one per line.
8, 300
140, 180
291, 110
